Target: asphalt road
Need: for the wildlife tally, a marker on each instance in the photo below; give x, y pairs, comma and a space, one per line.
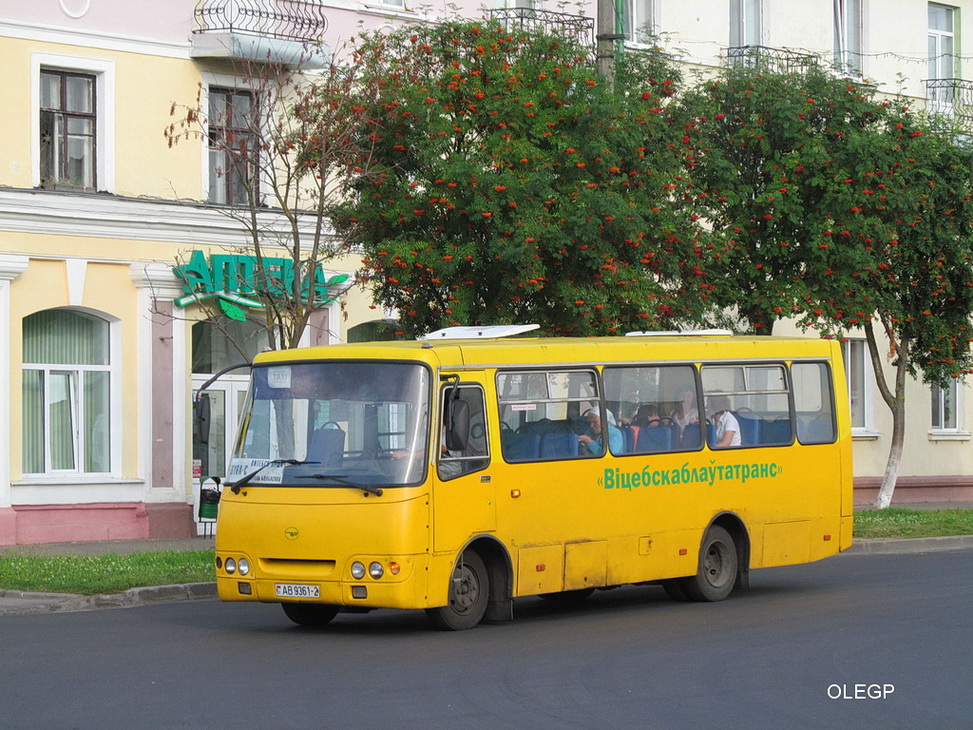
856, 641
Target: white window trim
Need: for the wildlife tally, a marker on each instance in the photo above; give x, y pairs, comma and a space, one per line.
104, 73
745, 6
959, 433
939, 35
867, 431
850, 59
653, 21
77, 476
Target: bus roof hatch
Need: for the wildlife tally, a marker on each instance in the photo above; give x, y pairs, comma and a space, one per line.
680, 333
479, 333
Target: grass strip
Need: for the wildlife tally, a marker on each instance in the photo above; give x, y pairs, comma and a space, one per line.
93, 574
899, 522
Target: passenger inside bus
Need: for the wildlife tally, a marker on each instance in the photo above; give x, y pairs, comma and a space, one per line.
594, 442
727, 426
686, 412
647, 416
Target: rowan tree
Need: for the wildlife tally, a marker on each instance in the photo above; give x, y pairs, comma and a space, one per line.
897, 259
515, 186
750, 150
844, 211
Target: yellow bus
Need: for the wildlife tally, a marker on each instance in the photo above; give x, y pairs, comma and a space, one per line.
462, 471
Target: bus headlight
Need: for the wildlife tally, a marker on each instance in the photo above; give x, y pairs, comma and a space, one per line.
376, 570
357, 570
230, 566
244, 566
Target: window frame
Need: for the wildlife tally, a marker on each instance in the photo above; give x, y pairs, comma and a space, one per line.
632, 25
104, 113
61, 134
867, 380
77, 372
229, 89
940, 431
849, 33
746, 20
938, 59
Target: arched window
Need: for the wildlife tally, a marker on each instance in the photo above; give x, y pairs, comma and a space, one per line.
67, 393
374, 331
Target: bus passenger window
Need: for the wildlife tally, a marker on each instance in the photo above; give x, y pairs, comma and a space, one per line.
655, 404
541, 413
751, 402
813, 402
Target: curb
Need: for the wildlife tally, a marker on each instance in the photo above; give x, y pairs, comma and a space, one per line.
20, 602
909, 545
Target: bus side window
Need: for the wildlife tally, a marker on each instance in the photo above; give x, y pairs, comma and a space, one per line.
475, 456
750, 399
813, 402
541, 412
649, 403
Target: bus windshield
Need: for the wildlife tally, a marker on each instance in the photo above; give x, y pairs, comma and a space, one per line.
334, 424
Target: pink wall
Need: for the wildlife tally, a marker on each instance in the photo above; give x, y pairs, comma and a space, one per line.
79, 522
170, 21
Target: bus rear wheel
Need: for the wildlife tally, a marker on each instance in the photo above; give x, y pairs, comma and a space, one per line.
717, 569
469, 589
310, 614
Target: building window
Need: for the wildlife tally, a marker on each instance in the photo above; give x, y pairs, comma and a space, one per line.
848, 35
67, 393
745, 23
944, 408
942, 43
67, 129
639, 21
856, 359
233, 147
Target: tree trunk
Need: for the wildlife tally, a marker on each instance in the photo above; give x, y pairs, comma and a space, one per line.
884, 498
895, 400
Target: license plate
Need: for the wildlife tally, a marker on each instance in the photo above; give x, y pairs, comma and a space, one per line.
297, 590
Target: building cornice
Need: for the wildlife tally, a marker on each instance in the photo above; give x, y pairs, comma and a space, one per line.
12, 266
97, 40
99, 215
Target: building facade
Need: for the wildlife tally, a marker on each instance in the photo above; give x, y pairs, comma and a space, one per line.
100, 353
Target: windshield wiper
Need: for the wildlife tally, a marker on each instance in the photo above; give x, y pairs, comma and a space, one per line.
343, 479
245, 480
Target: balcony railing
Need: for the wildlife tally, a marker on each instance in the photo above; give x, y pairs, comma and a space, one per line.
579, 27
771, 60
951, 97
291, 20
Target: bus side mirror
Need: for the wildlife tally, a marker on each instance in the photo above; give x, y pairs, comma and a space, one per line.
201, 410
457, 425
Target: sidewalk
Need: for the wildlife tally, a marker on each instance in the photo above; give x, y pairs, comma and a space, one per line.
20, 602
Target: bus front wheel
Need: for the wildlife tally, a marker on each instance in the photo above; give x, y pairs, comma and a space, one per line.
310, 614
717, 570
469, 589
